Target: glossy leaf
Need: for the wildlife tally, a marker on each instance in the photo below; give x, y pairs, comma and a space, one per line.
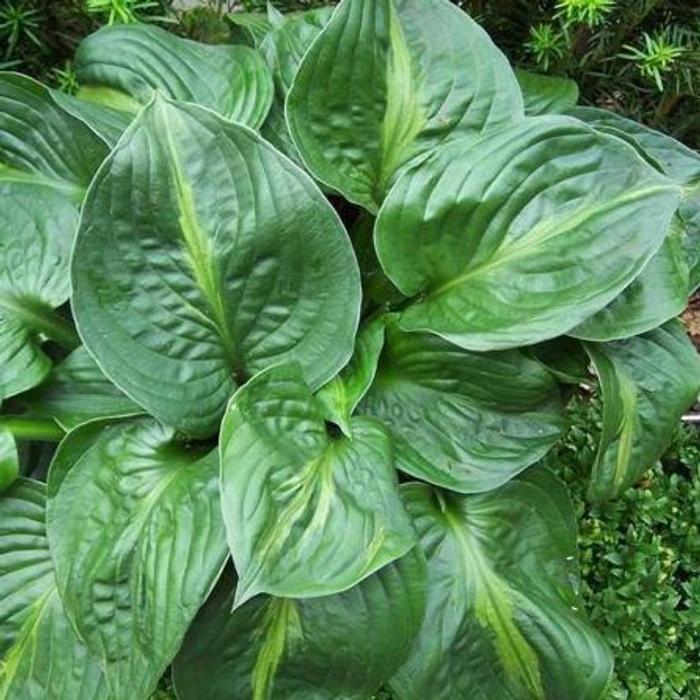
502, 616
342, 394
546, 94
204, 256
138, 542
564, 358
121, 66
41, 656
9, 459
659, 294
462, 420
308, 512
507, 241
314, 649
386, 82
76, 391
646, 382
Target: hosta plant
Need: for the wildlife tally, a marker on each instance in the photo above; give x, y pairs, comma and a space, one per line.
285, 330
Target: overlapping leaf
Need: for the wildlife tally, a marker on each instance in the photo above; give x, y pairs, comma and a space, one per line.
122, 66
647, 382
339, 646
502, 616
9, 459
41, 655
387, 81
462, 420
204, 256
308, 512
522, 235
546, 94
138, 542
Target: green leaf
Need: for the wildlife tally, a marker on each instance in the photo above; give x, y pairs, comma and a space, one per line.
546, 94
121, 66
203, 257
676, 160
342, 394
249, 27
564, 358
387, 81
339, 646
41, 656
9, 459
462, 420
76, 391
138, 542
109, 123
507, 241
308, 512
42, 143
37, 227
659, 294
646, 382
502, 616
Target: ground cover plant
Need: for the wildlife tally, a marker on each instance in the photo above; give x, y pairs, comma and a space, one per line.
288, 327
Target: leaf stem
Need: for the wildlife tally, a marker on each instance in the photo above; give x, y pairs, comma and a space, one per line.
41, 318
32, 428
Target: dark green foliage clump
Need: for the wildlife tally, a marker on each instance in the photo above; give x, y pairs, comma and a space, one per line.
640, 558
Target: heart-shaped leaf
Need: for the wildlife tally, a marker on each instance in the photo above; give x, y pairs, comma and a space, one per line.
502, 616
379, 88
40, 654
138, 542
121, 66
462, 420
519, 237
308, 512
647, 382
204, 256
339, 646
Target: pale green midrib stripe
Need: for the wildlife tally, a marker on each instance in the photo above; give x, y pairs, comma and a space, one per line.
41, 318
73, 191
623, 456
475, 563
557, 228
403, 116
277, 621
11, 662
199, 252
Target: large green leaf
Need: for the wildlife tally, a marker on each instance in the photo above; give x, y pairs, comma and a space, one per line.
647, 382
519, 237
502, 616
40, 142
41, 655
122, 66
342, 394
387, 81
659, 294
546, 94
47, 158
138, 542
463, 420
249, 27
76, 391
339, 647
308, 512
204, 256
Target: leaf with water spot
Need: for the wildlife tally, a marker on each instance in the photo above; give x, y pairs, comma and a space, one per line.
387, 81
646, 383
204, 256
308, 512
338, 647
502, 616
137, 540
